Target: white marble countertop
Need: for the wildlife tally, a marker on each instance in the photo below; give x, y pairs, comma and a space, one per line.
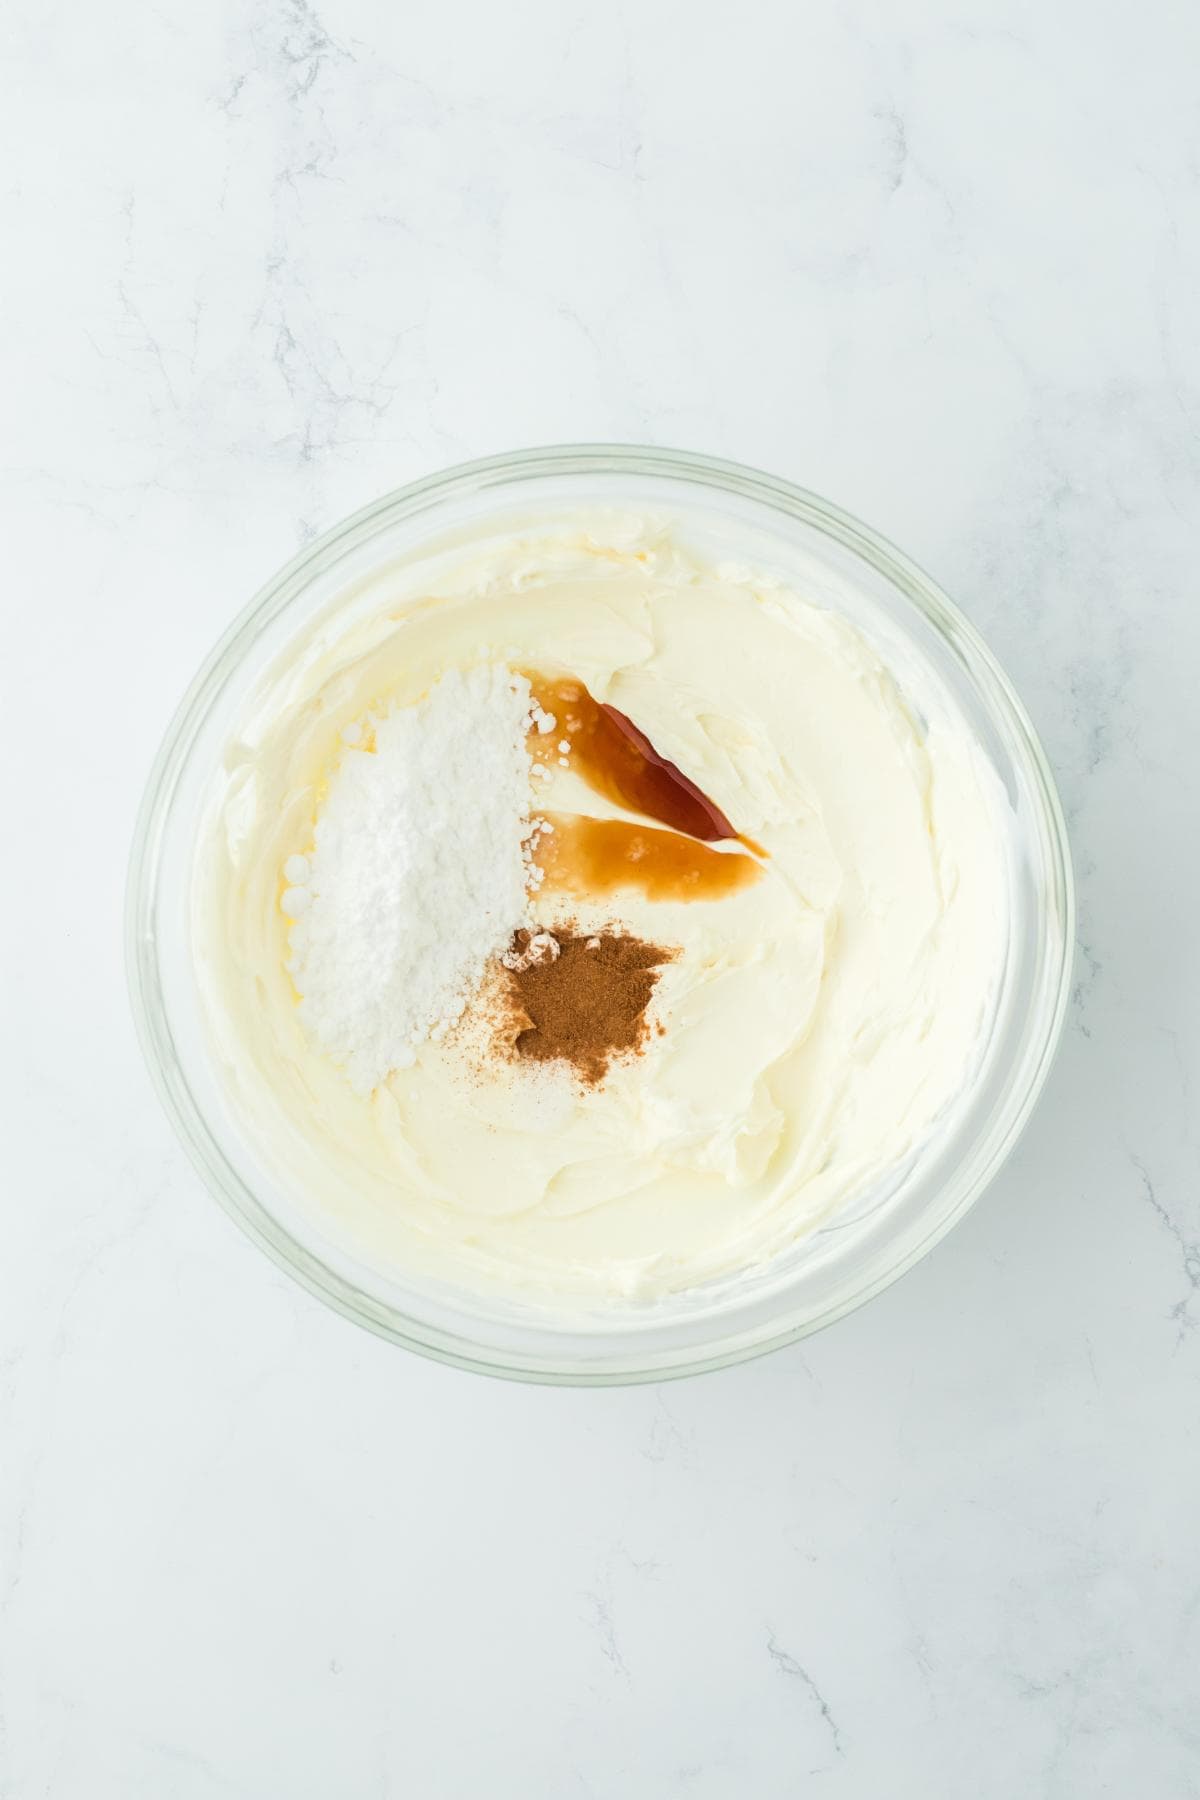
939, 262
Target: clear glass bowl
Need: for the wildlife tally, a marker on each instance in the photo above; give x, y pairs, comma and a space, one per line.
859, 1251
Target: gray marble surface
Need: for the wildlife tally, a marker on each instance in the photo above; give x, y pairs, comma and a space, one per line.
940, 262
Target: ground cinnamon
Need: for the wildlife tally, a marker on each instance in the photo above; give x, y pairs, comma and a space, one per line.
584, 995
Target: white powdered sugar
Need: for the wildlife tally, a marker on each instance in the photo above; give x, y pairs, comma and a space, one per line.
417, 875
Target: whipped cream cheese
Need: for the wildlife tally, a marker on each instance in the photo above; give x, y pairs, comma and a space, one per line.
816, 1024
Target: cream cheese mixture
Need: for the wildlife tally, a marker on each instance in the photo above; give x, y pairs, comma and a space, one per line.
806, 1028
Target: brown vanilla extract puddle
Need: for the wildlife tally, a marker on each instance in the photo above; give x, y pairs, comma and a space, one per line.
592, 857
616, 758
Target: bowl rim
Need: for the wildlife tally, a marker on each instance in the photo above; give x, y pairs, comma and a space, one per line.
410, 501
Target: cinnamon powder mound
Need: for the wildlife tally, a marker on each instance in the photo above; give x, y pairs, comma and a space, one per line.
580, 997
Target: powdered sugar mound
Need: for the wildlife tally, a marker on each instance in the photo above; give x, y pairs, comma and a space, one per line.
418, 874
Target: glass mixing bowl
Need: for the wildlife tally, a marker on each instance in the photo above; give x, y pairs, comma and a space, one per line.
859, 1250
